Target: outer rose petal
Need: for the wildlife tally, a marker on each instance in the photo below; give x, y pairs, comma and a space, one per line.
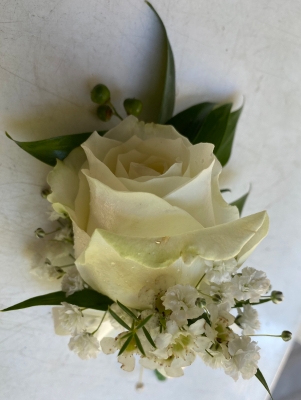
130, 126
134, 213
216, 243
63, 179
120, 266
107, 272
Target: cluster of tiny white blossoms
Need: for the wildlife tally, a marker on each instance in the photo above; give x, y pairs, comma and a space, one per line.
181, 323
187, 322
56, 258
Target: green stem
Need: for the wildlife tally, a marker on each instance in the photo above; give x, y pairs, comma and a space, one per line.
265, 335
209, 353
50, 233
115, 111
103, 317
200, 280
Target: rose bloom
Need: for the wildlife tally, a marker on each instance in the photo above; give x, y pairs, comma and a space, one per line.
145, 202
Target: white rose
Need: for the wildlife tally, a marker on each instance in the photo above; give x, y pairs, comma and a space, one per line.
145, 202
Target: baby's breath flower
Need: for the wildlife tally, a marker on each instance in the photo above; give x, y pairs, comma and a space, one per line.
248, 319
220, 271
85, 345
71, 318
72, 281
244, 358
181, 300
251, 284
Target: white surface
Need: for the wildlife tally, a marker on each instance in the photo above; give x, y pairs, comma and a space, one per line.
51, 54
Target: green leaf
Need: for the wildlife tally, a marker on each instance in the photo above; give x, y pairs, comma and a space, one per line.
145, 321
169, 90
261, 379
49, 150
125, 345
138, 343
160, 376
126, 310
190, 121
148, 337
119, 320
85, 298
223, 152
239, 203
214, 127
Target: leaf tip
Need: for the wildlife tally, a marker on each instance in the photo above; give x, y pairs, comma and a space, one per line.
6, 133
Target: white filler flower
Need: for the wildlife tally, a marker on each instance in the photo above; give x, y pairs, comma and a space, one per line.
250, 285
181, 300
71, 318
244, 358
72, 281
248, 320
84, 345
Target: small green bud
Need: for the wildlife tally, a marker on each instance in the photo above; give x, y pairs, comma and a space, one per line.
45, 193
200, 302
217, 298
104, 113
40, 233
47, 262
277, 297
132, 106
100, 94
286, 336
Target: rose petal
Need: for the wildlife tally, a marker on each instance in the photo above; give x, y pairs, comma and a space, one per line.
130, 126
100, 145
200, 157
195, 197
81, 239
107, 272
216, 243
250, 246
135, 214
159, 186
98, 170
202, 199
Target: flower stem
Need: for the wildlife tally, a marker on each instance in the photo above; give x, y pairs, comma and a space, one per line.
200, 281
103, 317
115, 111
265, 335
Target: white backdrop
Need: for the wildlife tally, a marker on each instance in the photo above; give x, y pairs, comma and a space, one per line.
51, 54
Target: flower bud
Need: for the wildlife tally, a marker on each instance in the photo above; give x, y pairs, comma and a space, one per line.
277, 297
217, 298
286, 336
104, 113
200, 302
45, 193
132, 106
139, 386
47, 262
40, 233
100, 94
